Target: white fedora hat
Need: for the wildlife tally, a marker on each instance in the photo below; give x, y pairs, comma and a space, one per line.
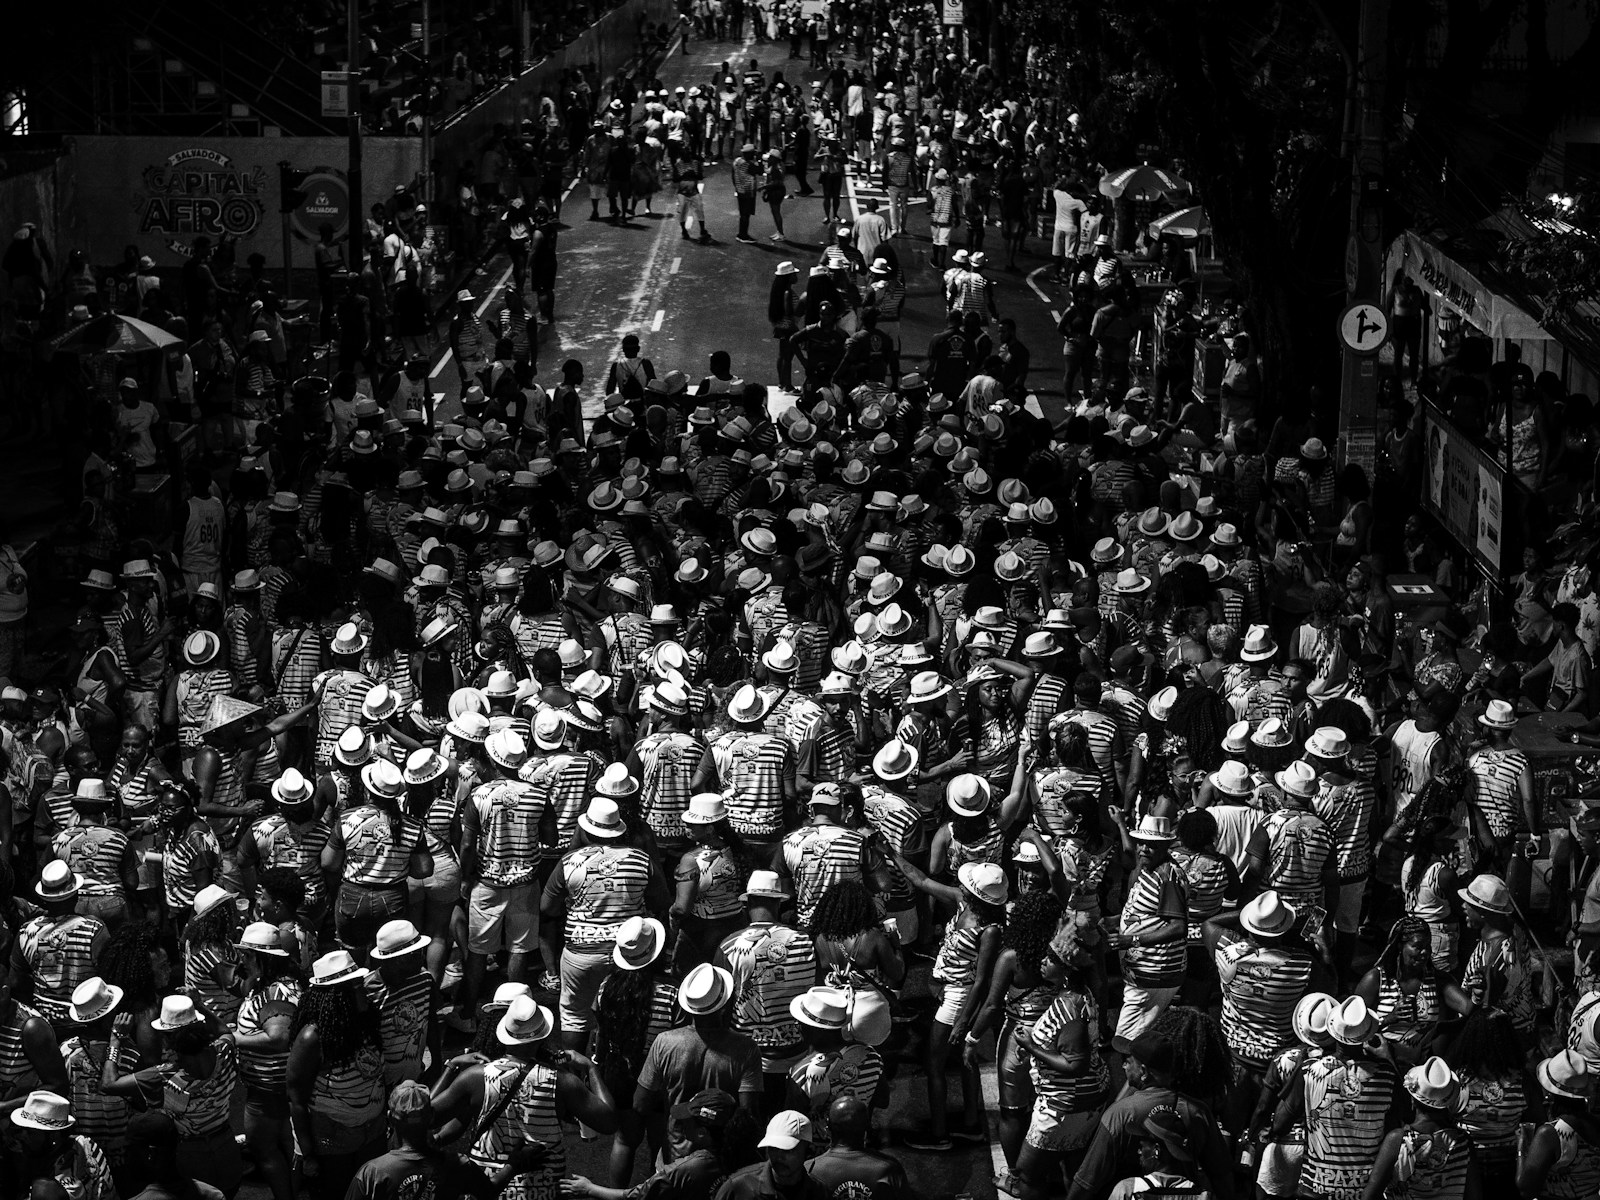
705, 989
603, 819
396, 939
968, 795
705, 808
526, 1022
92, 999
821, 1008
640, 941
336, 967
264, 938
1267, 916
177, 1012
986, 881
44, 1111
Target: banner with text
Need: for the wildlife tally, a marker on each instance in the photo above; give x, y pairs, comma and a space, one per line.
1464, 488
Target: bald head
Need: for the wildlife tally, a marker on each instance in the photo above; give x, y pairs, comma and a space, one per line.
849, 1119
50, 743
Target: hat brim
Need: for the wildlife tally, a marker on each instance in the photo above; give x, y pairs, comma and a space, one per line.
273, 951
1357, 1036
625, 963
64, 893
1483, 719
1252, 927
539, 1032
422, 941
797, 1010
1225, 789
23, 1118
599, 831
1159, 839
1258, 655
1551, 1086
83, 1016
346, 976
1468, 898
166, 1027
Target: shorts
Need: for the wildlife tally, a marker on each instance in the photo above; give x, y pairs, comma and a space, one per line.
440, 890
503, 916
1140, 1008
941, 235
1279, 1172
362, 910
1059, 1132
267, 1105
1347, 916
955, 995
597, 191
583, 970
1064, 243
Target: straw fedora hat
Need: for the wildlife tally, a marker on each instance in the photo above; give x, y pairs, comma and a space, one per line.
92, 999
894, 761
968, 795
396, 939
705, 989
603, 819
526, 1022
334, 968
640, 941
986, 881
1352, 1022
1267, 916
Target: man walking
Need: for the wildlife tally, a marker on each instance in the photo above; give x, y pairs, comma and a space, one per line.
746, 176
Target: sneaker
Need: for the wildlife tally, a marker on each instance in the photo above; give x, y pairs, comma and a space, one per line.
923, 1141
745, 238
777, 237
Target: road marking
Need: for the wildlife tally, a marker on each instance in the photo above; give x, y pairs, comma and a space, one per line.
676, 263
439, 366
489, 296
661, 315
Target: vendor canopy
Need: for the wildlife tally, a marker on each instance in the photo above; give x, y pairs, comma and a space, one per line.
1484, 309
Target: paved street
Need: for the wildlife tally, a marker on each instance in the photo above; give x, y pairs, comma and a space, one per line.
684, 299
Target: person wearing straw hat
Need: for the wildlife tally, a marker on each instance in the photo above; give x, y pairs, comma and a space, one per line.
265, 1021
1499, 973
402, 992
1264, 971
81, 1059
757, 771
57, 950
1346, 803
1502, 792
825, 850
1561, 1156
186, 701
292, 836
505, 824
374, 847
708, 907
1349, 1095
832, 1067
46, 1147
100, 853
596, 886
671, 763
705, 1053
1153, 927
1302, 865
339, 691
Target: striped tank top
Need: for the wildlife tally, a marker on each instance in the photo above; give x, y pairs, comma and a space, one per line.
668, 761
194, 692
1576, 1175
1049, 694
351, 1093
1085, 1090
753, 766
564, 781
1146, 907
265, 1070
102, 1118
1085, 871
719, 881
280, 844
1491, 1110
16, 1072
373, 856
1347, 811
956, 964
605, 886
1406, 1017
1499, 975
1052, 790
201, 965
1495, 777
57, 951
1300, 845
183, 857
1206, 873
1431, 1165
1260, 987
771, 965
1346, 1105
665, 1013
200, 1107
897, 820
530, 1116
403, 1009
986, 849
508, 831
95, 852
819, 856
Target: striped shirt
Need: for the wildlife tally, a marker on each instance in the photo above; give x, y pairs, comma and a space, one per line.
771, 965
1499, 975
1576, 1174
1438, 1161
665, 1011
351, 1094
200, 968
16, 1071
1207, 877
1301, 846
265, 1070
1346, 808
1046, 700
1491, 1110
1086, 1090
508, 812
605, 886
1151, 901
1052, 788
194, 691
899, 821
404, 1010
956, 964
183, 857
102, 1117
754, 766
339, 708
278, 843
96, 852
201, 1107
60, 954
297, 658
852, 1070
1347, 1105
1102, 732
718, 880
530, 1116
377, 845
563, 781
1406, 1017
1496, 776
1260, 987
668, 761
819, 856
536, 633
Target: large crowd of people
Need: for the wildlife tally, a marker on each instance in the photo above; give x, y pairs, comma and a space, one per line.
456, 790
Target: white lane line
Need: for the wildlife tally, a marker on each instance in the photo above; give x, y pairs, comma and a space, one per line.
1037, 290
661, 315
489, 296
676, 263
439, 366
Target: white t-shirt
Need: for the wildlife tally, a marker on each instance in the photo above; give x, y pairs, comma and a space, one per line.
138, 422
1068, 207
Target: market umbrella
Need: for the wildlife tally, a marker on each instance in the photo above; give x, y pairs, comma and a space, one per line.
1141, 182
1190, 222
113, 333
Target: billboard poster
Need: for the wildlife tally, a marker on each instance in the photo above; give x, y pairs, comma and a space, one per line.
199, 191
1463, 489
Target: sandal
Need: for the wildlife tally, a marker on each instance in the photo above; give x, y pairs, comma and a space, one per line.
926, 1142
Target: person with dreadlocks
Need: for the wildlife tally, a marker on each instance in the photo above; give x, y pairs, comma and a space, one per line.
1181, 1062
334, 1077
1499, 971
1409, 994
139, 963
1487, 1059
854, 946
1019, 994
636, 1002
1430, 837
210, 958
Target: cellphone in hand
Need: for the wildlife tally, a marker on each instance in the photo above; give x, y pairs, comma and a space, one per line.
1314, 919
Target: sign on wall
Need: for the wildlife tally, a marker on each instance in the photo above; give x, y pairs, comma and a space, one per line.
1464, 489
953, 12
197, 192
327, 203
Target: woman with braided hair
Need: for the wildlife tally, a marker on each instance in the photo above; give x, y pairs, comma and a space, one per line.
1019, 994
1409, 994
